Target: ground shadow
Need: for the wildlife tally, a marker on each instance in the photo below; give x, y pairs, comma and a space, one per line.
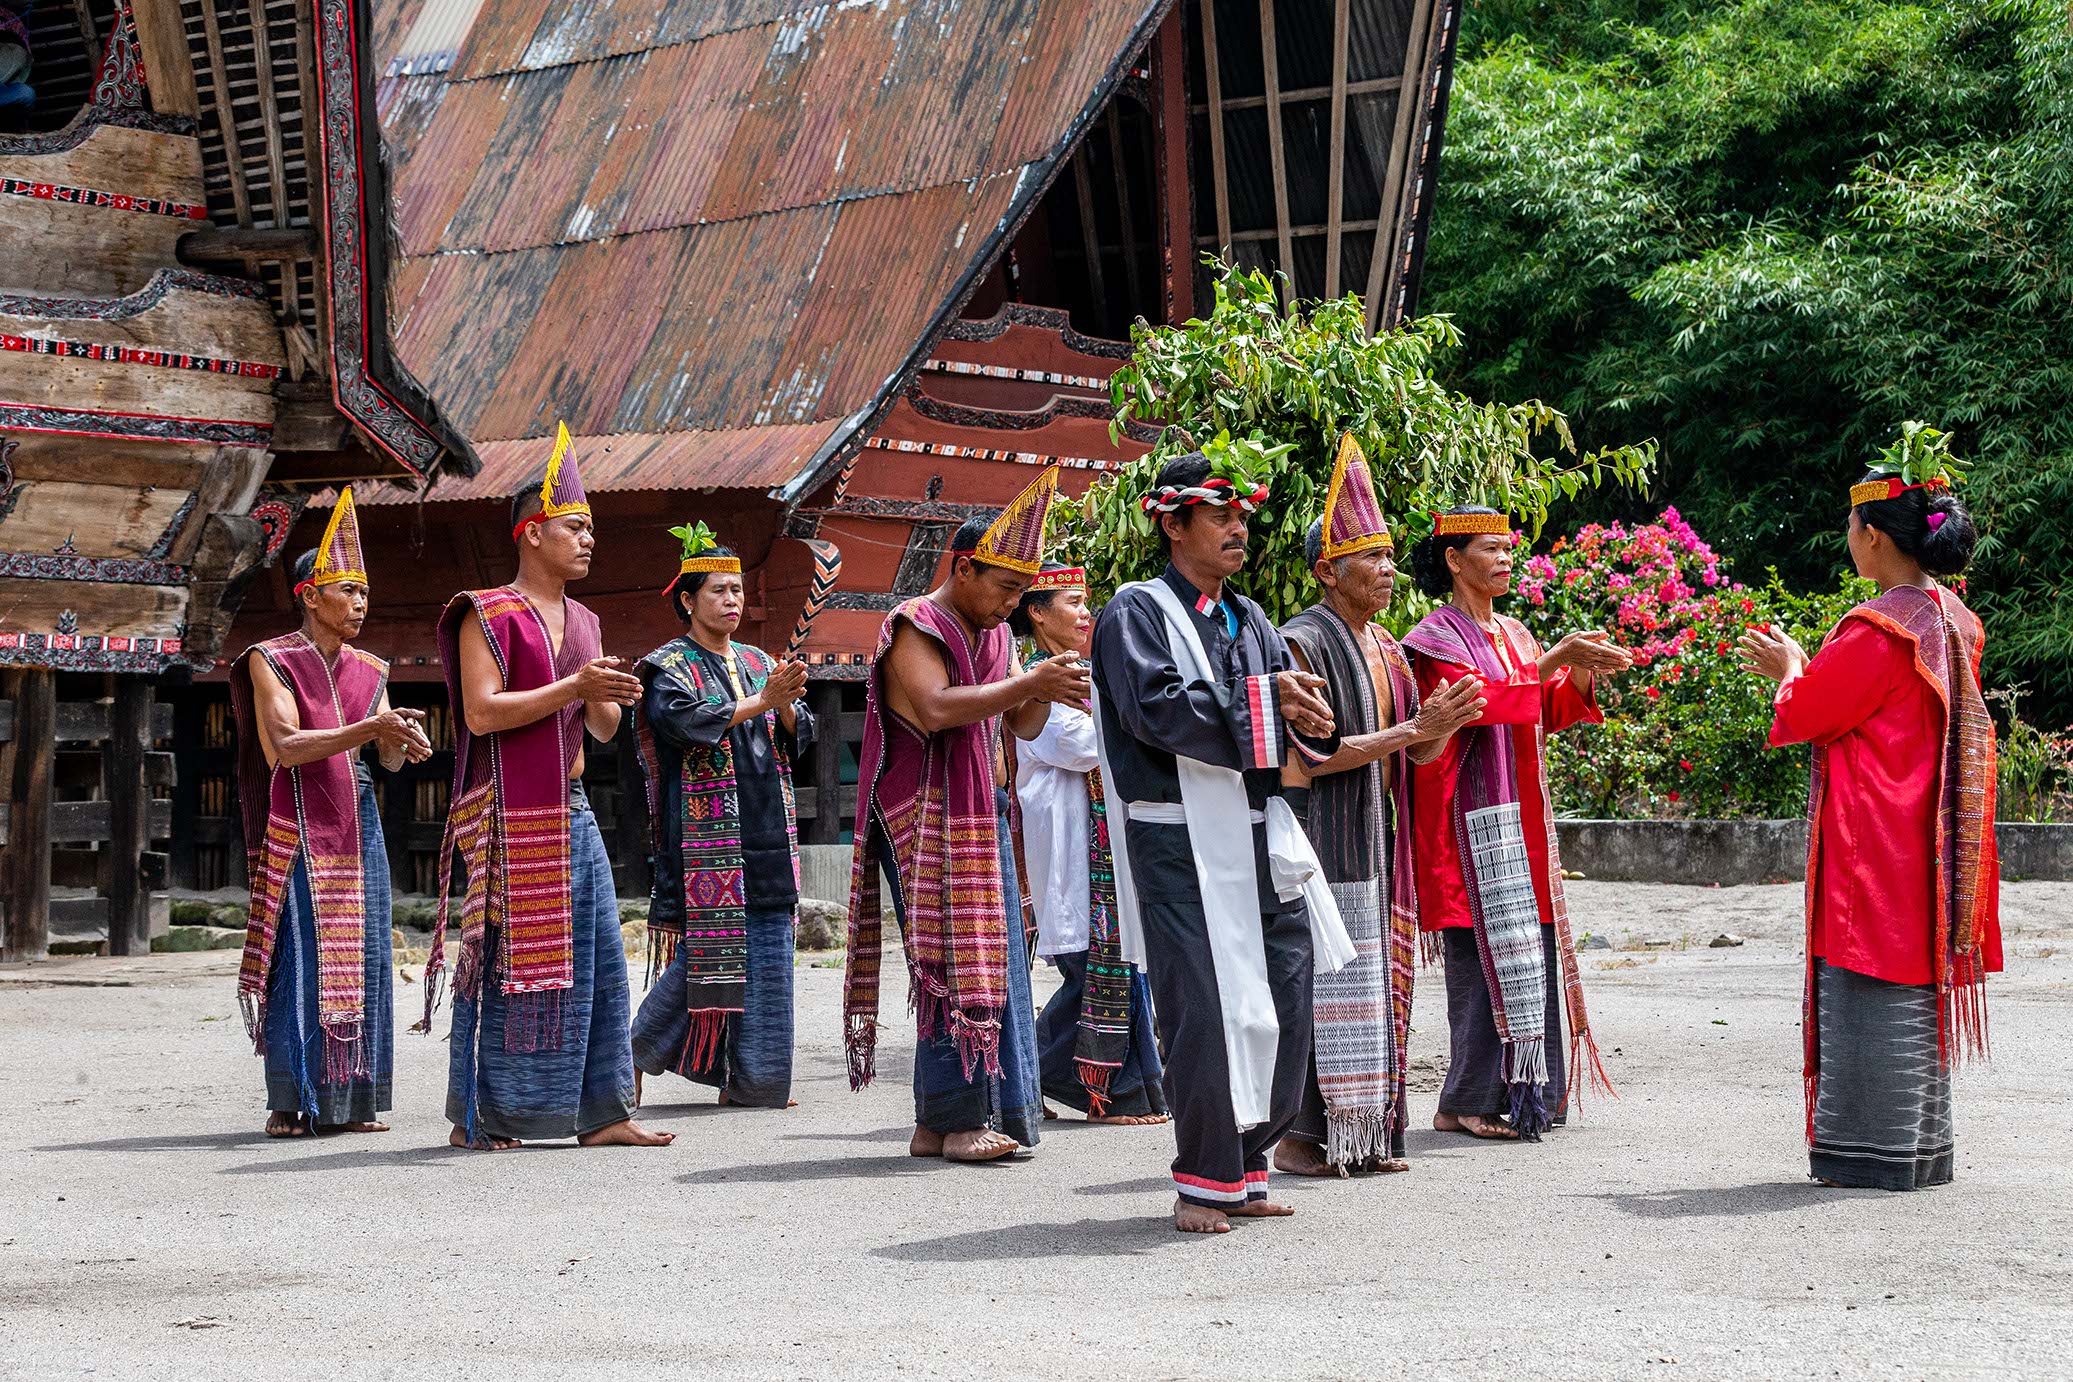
905, 1134
227, 1141
1720, 1202
1022, 1242
1150, 1185
1421, 1142
357, 1158
840, 1168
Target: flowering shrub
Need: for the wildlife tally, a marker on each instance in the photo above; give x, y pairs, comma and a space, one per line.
2036, 766
1686, 725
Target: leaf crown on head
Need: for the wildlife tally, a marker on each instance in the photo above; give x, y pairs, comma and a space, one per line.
701, 550
1919, 458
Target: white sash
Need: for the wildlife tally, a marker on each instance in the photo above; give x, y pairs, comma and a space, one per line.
1217, 810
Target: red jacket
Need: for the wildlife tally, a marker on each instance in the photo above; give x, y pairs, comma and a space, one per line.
1523, 702
1874, 901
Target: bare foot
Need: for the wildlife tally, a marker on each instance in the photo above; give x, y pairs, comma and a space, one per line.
459, 1138
1050, 1114
1475, 1125
1388, 1165
1194, 1218
978, 1144
370, 1125
1301, 1157
1129, 1120
925, 1143
625, 1133
1260, 1209
724, 1101
279, 1124
637, 1088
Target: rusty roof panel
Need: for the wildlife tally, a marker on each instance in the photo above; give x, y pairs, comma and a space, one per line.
745, 458
705, 219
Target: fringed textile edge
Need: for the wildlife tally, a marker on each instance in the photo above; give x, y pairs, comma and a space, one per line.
1094, 1078
860, 1044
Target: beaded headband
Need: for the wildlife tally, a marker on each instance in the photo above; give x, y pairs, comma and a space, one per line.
1889, 487
1470, 524
1066, 578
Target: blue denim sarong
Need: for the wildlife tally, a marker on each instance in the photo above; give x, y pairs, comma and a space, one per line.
294, 1040
585, 1085
755, 1062
945, 1101
1134, 1090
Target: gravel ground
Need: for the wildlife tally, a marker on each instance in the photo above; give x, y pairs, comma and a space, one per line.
148, 1230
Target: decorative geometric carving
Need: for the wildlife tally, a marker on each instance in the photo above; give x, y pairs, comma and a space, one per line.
370, 385
827, 568
138, 355
83, 422
276, 517
132, 304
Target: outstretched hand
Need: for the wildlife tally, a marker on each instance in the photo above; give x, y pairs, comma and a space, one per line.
600, 682
399, 730
1450, 706
1061, 679
1593, 651
1303, 704
1772, 653
787, 683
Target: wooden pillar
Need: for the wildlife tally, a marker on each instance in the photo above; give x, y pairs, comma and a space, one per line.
25, 868
129, 800
824, 699
1175, 178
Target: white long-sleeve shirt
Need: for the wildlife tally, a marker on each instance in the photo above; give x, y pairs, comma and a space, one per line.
1051, 781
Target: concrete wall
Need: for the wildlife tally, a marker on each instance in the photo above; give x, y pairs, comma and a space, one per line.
824, 872
1731, 852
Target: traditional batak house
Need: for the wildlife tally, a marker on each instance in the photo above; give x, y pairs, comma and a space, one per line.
831, 278
194, 336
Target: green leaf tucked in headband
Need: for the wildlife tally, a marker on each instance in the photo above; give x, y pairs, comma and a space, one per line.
1920, 454
697, 538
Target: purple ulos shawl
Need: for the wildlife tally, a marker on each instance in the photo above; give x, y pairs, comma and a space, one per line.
929, 798
1490, 835
509, 816
311, 810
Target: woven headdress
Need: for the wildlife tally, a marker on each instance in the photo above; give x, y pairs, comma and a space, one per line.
338, 555
1016, 538
561, 489
701, 552
1352, 513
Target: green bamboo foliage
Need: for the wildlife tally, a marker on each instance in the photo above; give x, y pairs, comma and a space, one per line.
1271, 391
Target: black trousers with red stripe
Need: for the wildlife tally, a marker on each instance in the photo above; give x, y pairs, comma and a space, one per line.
1216, 1163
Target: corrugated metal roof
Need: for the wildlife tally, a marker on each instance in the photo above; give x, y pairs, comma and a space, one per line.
740, 458
723, 217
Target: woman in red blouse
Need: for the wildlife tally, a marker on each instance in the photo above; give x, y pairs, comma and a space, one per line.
1497, 910
1902, 879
